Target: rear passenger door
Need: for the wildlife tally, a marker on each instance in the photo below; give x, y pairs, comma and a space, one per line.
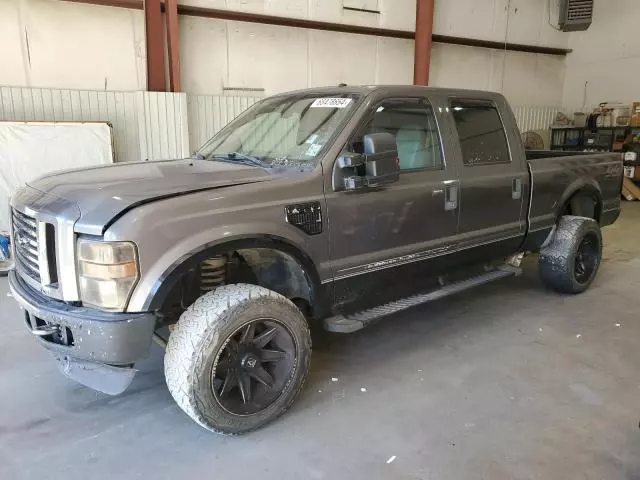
493, 183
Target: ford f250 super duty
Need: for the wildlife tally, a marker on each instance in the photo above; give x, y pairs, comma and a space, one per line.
332, 205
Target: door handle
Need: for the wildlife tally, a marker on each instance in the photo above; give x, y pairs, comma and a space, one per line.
450, 196
516, 188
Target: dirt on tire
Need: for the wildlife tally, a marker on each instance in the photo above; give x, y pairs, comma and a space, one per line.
557, 260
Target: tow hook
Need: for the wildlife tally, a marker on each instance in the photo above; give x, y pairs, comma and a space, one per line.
46, 330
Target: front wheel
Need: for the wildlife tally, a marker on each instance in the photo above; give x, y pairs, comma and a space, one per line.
237, 358
570, 262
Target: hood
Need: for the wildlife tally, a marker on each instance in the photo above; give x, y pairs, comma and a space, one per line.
104, 193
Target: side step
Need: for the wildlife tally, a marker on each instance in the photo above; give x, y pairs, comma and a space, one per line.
357, 321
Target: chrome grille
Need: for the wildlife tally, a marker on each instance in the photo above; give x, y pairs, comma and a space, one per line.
25, 239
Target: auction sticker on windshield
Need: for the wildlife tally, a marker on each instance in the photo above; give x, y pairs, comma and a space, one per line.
331, 103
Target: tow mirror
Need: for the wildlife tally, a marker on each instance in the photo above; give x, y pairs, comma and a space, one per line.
379, 165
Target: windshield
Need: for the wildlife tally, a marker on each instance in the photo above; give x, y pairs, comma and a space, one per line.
286, 131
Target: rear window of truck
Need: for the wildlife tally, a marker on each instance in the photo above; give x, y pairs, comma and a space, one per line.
481, 133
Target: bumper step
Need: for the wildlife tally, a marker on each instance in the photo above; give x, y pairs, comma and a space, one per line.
357, 321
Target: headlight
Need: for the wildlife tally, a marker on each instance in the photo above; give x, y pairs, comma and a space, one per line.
107, 273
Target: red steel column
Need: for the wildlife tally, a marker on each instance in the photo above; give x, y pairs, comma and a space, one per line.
154, 32
424, 30
173, 43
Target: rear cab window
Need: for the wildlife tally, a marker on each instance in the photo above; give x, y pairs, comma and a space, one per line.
481, 133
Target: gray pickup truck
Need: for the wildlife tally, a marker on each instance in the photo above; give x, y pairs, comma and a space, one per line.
334, 206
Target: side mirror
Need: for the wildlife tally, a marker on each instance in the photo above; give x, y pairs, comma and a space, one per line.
378, 166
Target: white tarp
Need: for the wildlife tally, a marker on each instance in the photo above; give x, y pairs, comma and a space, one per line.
29, 150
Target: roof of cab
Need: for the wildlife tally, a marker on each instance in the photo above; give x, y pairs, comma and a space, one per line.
369, 89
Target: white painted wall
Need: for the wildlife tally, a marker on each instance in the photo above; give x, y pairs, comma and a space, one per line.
219, 54
605, 62
85, 46
49, 43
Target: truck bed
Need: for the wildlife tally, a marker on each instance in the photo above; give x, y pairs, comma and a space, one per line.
556, 176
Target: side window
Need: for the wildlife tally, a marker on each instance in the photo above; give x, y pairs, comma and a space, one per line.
481, 133
414, 126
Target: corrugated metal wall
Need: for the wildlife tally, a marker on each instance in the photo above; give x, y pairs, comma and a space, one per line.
145, 125
209, 113
535, 118
151, 125
163, 129
39, 104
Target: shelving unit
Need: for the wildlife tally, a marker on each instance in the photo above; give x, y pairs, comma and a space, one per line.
602, 139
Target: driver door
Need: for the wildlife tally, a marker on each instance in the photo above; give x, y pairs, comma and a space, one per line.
388, 242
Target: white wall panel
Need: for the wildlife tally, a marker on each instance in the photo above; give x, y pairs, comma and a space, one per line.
267, 56
210, 113
535, 117
218, 54
362, 4
395, 61
284, 8
528, 21
341, 57
460, 67
13, 62
163, 125
605, 62
203, 55
68, 45
531, 79
398, 14
525, 79
332, 11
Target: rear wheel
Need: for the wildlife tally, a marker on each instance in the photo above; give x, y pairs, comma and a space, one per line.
237, 358
570, 262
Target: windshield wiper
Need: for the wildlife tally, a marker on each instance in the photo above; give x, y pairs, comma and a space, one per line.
242, 158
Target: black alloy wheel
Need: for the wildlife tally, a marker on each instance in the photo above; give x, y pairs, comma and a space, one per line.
587, 257
253, 367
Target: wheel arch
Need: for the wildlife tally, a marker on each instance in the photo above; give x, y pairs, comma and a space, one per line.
580, 188
292, 255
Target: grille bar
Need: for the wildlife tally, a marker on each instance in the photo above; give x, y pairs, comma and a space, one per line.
25, 236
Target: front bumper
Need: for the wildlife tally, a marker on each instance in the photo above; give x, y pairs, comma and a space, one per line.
85, 341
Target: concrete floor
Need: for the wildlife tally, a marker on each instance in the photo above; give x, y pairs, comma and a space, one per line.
505, 382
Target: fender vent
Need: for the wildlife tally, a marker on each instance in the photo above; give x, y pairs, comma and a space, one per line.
306, 216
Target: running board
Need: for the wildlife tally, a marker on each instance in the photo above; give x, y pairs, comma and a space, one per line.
357, 321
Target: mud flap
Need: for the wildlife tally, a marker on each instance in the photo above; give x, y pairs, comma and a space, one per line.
103, 378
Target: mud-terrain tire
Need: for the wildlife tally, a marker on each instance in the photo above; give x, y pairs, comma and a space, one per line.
570, 262
213, 338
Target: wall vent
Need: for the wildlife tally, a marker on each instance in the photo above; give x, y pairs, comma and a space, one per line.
575, 15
